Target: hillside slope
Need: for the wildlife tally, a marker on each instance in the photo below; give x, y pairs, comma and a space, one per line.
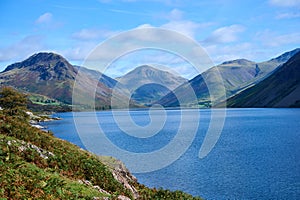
36, 165
53, 76
148, 84
236, 76
281, 89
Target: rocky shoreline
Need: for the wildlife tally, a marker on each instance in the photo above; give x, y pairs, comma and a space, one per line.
35, 120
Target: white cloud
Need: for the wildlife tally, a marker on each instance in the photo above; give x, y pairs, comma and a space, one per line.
285, 3
181, 25
175, 14
92, 34
44, 18
225, 34
185, 27
46, 21
135, 39
144, 37
79, 51
145, 26
271, 39
21, 49
288, 15
221, 53
157, 58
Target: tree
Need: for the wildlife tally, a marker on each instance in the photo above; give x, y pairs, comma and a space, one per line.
12, 102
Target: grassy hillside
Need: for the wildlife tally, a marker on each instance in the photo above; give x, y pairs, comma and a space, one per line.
281, 89
35, 164
236, 75
53, 78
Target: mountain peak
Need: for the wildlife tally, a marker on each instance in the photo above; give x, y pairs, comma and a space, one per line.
144, 67
286, 56
148, 84
46, 59
46, 56
149, 74
145, 70
238, 62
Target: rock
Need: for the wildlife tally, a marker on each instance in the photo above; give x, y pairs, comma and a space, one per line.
30, 114
121, 174
121, 197
102, 198
9, 143
97, 187
37, 126
23, 146
43, 153
87, 182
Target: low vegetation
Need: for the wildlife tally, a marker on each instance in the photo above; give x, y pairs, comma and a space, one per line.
35, 164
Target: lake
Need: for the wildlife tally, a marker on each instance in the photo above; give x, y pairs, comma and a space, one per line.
257, 155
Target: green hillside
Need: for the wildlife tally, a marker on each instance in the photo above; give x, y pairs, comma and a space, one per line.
36, 165
236, 75
281, 89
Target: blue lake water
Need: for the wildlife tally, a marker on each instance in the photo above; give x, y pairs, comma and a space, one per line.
256, 157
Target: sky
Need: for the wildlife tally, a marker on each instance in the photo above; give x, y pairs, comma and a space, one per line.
256, 30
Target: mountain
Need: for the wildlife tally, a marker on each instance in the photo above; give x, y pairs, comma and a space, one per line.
148, 84
43, 73
49, 79
237, 75
53, 76
281, 89
93, 74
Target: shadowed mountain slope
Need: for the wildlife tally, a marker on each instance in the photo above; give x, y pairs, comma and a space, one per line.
281, 89
237, 75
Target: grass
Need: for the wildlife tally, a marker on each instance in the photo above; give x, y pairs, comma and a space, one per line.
21, 179
69, 161
36, 165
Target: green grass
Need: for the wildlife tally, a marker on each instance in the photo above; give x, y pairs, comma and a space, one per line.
43, 100
25, 173
69, 160
21, 178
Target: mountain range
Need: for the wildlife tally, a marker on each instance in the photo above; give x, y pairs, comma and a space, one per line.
48, 77
236, 76
53, 77
280, 89
148, 84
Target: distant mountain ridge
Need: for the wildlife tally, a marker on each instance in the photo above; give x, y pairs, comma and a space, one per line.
52, 75
237, 75
147, 74
280, 89
148, 84
49, 77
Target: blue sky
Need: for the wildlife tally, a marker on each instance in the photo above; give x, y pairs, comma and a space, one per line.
227, 29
